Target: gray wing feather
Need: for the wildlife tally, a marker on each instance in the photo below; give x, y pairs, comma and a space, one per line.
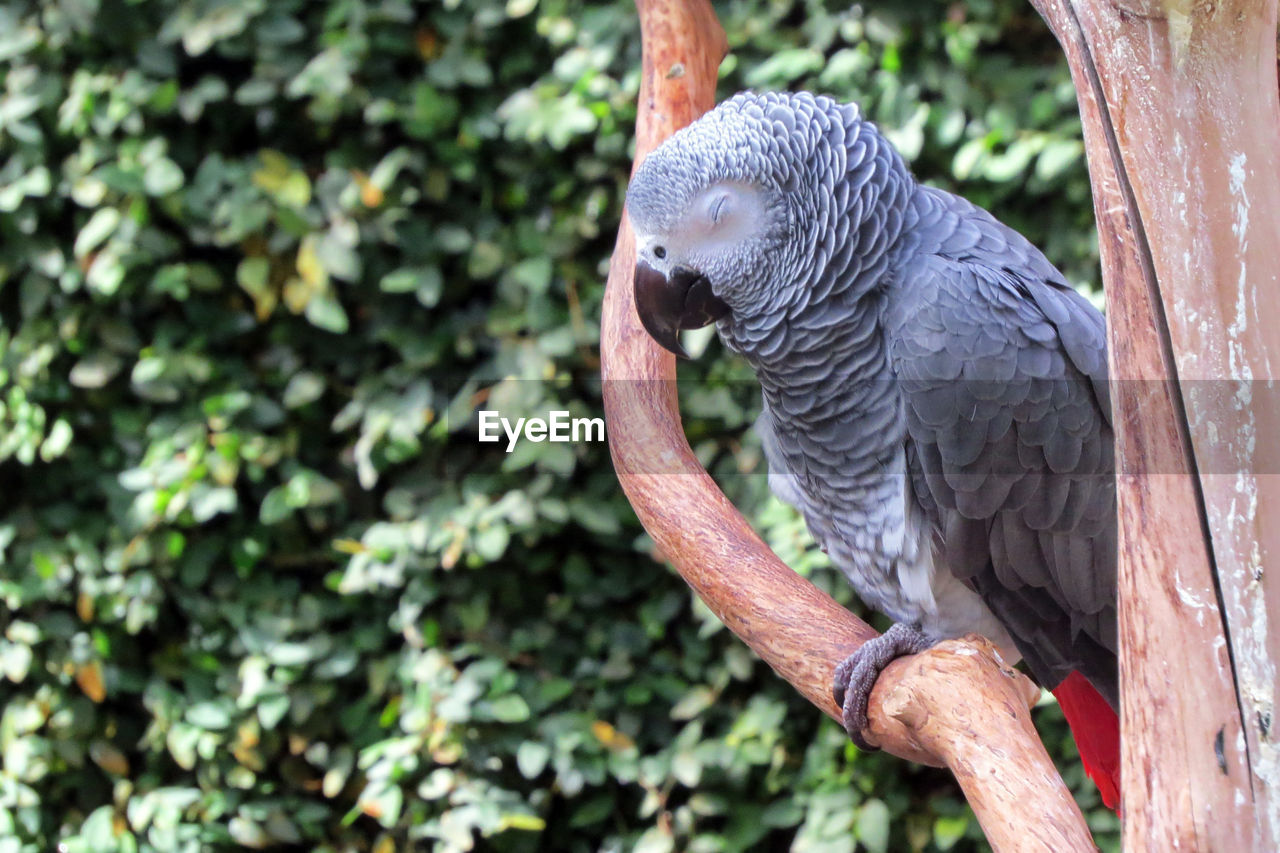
1003, 370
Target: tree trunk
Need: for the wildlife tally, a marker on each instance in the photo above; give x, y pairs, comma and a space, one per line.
1182, 126
956, 705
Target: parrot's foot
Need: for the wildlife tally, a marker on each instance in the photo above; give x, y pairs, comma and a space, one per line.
857, 674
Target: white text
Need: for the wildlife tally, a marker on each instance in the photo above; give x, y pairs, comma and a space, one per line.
557, 426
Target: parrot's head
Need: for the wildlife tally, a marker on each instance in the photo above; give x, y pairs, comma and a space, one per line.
718, 210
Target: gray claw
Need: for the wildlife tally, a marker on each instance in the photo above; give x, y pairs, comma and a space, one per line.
857, 674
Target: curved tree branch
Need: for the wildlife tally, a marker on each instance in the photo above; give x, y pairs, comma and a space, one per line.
956, 705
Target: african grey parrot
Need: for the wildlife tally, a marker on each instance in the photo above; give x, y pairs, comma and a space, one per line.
934, 392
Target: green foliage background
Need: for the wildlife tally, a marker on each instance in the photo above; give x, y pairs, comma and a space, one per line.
259, 264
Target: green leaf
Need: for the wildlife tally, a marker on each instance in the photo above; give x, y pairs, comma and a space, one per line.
339, 259
594, 811
1014, 161
531, 757
694, 702
532, 274
325, 312
57, 441
106, 273
15, 661
271, 710
784, 66
100, 226
289, 186
207, 502
872, 826
1057, 156
297, 654
509, 709
303, 388
248, 833
521, 821
655, 840
491, 542
968, 158
432, 111
782, 813
162, 176
181, 741
686, 769
947, 831
95, 370
209, 715
426, 283
275, 507
98, 830
485, 261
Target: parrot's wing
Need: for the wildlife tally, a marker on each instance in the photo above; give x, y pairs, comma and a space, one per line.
1011, 452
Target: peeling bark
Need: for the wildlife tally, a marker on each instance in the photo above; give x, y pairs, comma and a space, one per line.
1182, 128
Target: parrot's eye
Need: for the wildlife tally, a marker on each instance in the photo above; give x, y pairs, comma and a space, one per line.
659, 252
719, 208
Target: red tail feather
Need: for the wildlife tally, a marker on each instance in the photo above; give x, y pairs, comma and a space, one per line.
1096, 729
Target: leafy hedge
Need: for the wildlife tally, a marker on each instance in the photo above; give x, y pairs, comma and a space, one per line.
260, 263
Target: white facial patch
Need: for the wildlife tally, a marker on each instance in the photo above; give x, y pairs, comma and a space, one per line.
723, 215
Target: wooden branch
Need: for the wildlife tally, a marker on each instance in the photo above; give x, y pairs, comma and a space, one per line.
956, 705
1182, 129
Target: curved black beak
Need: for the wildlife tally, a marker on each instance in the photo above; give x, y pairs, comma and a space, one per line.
667, 305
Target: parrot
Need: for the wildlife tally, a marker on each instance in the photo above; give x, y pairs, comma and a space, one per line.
934, 392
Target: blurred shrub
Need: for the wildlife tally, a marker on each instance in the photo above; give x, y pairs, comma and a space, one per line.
260, 263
